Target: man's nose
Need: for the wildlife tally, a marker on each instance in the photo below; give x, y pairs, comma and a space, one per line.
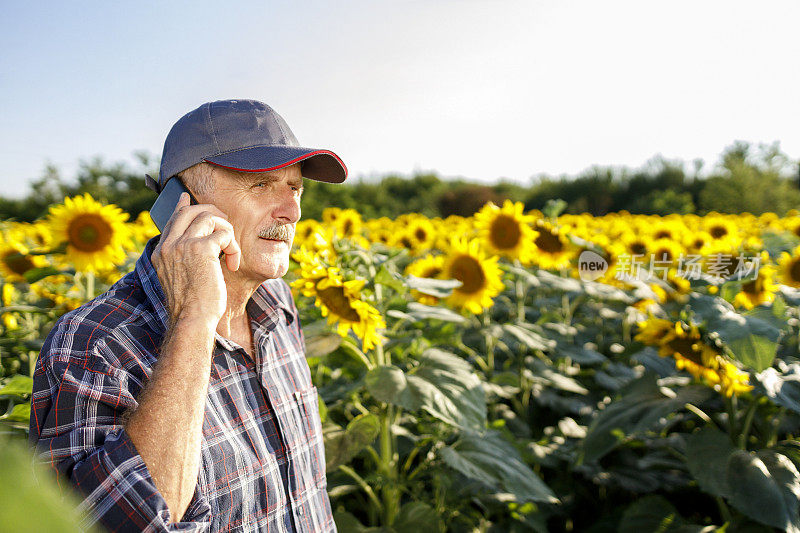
287, 209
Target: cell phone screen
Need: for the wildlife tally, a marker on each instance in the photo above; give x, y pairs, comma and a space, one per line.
167, 200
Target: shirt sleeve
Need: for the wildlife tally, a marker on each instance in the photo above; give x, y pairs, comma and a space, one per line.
76, 425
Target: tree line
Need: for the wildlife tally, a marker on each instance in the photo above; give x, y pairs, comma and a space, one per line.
747, 178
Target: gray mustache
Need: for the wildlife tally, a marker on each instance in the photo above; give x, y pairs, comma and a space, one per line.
279, 232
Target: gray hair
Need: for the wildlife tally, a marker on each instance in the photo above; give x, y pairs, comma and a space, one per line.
198, 178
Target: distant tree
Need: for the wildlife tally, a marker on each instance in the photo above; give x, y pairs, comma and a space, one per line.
110, 183
467, 199
754, 180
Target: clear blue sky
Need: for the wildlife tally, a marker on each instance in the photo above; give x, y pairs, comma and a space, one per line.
480, 89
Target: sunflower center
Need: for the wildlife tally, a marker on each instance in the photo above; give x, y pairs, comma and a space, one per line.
548, 242
505, 232
89, 232
421, 235
469, 272
17, 262
794, 270
662, 234
718, 232
431, 272
754, 287
684, 346
406, 242
338, 303
664, 254
347, 228
638, 248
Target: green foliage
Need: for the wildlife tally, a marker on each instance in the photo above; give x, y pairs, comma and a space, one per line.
751, 181
30, 499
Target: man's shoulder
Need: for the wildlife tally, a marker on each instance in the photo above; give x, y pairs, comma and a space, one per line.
119, 315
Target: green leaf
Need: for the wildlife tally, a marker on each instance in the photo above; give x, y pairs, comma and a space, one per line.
656, 514
752, 339
415, 517
35, 274
389, 384
341, 445
447, 388
20, 413
707, 453
348, 522
320, 345
427, 312
443, 385
491, 460
19, 386
754, 351
641, 407
528, 338
765, 486
440, 288
31, 499
541, 372
783, 388
388, 279
579, 355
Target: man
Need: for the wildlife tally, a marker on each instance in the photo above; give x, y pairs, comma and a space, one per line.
181, 398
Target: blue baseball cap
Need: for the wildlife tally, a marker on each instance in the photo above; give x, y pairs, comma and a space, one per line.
243, 135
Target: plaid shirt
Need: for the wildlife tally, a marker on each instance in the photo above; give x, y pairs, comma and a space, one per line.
263, 461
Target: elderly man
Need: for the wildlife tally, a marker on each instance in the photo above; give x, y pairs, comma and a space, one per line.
181, 398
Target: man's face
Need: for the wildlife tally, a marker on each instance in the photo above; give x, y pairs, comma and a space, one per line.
258, 204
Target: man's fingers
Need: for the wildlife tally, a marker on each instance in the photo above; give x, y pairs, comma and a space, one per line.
185, 216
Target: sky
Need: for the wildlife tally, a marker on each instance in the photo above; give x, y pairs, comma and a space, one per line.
485, 90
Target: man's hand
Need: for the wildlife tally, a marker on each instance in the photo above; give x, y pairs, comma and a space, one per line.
187, 261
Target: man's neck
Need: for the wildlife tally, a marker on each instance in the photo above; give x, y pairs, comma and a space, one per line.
234, 322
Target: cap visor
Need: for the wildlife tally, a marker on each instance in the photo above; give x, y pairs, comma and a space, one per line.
319, 165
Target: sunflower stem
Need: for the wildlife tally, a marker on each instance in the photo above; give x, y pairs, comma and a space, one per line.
364, 486
748, 420
520, 292
489, 339
391, 495
89, 285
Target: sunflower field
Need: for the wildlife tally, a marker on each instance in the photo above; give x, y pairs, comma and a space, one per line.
509, 371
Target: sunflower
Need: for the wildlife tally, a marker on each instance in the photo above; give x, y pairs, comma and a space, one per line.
430, 266
60, 290
96, 235
9, 296
685, 344
342, 302
420, 234
696, 241
760, 290
551, 248
653, 330
480, 277
722, 229
507, 231
330, 215
348, 224
790, 268
732, 381
15, 260
143, 228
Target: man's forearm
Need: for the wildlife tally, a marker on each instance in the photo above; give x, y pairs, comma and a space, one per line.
166, 427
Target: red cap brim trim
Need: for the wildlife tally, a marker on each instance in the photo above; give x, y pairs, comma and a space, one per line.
292, 162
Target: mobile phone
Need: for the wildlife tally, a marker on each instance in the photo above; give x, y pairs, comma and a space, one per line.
167, 200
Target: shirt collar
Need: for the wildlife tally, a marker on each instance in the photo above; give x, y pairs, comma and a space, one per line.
262, 306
